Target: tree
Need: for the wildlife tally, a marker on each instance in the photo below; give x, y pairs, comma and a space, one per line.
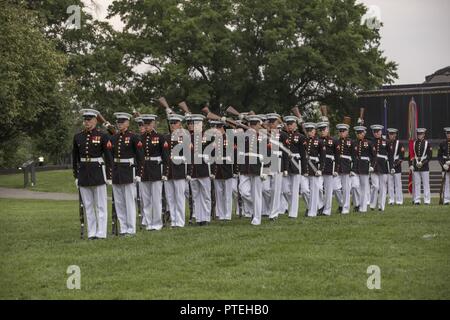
31, 74
263, 55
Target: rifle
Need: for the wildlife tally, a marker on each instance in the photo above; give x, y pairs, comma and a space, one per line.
347, 120
81, 212
165, 105
106, 124
213, 116
441, 190
234, 112
165, 207
138, 202
114, 222
361, 116
183, 106
230, 110
324, 112
239, 197
296, 111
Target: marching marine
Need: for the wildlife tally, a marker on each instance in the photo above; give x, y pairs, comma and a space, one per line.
419, 165
444, 160
223, 171
381, 169
200, 173
397, 155
151, 184
273, 184
329, 169
362, 159
126, 170
176, 169
295, 183
344, 152
92, 161
315, 157
251, 171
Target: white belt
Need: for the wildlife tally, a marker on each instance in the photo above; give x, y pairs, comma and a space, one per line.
296, 155
100, 159
252, 154
130, 160
365, 158
314, 158
159, 159
382, 156
346, 157
329, 156
179, 158
204, 156
277, 153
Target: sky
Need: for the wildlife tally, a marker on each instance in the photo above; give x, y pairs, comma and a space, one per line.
415, 34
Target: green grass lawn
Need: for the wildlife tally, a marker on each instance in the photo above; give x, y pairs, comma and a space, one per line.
47, 181
307, 258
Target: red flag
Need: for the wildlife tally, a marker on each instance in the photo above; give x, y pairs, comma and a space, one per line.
412, 126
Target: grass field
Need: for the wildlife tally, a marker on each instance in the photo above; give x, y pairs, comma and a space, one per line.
47, 181
307, 258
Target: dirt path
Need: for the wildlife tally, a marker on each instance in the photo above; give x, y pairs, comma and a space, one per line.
27, 194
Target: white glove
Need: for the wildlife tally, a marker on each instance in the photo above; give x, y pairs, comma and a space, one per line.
235, 175
164, 178
392, 171
263, 176
109, 182
285, 173
76, 183
446, 167
419, 165
137, 179
318, 173
411, 168
352, 174
306, 175
370, 169
335, 174
212, 176
188, 178
448, 163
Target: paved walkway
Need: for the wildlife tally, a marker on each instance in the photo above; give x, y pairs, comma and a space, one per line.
27, 194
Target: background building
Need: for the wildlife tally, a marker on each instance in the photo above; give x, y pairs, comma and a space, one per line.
432, 98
